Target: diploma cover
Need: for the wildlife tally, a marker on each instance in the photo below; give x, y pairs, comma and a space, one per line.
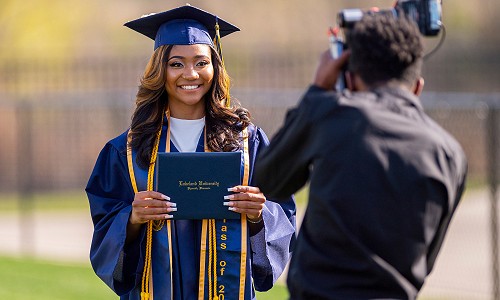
198, 181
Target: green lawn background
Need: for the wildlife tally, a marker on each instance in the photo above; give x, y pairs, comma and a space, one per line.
25, 278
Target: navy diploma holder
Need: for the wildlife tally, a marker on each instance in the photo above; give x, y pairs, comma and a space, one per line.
198, 181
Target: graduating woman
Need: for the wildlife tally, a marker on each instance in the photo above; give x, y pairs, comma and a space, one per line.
183, 105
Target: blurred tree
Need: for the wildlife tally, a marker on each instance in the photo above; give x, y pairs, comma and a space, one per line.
40, 28
289, 32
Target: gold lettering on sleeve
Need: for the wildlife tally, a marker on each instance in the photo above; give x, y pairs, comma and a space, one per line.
221, 292
222, 265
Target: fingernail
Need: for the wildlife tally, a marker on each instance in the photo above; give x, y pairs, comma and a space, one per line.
229, 197
231, 208
227, 203
173, 209
168, 216
172, 204
165, 197
231, 189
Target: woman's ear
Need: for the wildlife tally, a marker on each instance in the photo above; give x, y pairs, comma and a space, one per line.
419, 86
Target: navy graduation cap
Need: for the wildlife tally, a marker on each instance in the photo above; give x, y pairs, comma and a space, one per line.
185, 25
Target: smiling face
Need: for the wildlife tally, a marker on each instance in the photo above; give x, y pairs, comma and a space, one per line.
189, 77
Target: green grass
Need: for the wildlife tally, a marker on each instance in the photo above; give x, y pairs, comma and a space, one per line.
34, 279
25, 279
278, 292
301, 196
43, 201
43, 280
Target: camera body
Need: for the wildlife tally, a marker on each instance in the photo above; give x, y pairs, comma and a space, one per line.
427, 14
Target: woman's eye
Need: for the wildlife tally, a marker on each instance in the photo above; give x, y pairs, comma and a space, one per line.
175, 64
203, 63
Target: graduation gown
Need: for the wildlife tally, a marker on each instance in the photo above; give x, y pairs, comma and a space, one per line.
120, 266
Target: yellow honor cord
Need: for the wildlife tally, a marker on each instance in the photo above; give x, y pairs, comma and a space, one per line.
214, 255
145, 291
212, 260
203, 255
246, 178
158, 224
146, 284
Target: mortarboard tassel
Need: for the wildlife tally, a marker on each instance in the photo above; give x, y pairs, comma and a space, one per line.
218, 46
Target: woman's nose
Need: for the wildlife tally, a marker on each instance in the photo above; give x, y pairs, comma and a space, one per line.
190, 73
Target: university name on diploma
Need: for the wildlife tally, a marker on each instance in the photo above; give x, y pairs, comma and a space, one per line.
198, 185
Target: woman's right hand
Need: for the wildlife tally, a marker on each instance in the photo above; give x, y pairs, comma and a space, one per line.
151, 205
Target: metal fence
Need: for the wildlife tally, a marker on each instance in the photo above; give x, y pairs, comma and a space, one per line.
55, 118
51, 142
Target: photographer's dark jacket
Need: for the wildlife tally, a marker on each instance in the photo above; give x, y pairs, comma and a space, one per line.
385, 180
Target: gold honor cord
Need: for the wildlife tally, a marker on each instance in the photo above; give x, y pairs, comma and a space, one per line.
131, 164
146, 292
243, 261
146, 288
169, 223
212, 261
147, 283
203, 255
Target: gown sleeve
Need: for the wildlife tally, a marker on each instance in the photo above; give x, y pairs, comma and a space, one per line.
271, 246
283, 167
110, 196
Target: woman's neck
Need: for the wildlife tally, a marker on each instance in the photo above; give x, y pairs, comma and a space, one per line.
187, 112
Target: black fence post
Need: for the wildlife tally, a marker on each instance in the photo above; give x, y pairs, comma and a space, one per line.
25, 178
493, 149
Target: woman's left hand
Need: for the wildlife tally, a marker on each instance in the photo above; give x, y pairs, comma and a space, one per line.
247, 200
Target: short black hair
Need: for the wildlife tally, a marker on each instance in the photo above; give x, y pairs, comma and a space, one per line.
384, 48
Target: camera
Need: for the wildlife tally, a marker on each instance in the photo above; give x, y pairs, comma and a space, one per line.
426, 13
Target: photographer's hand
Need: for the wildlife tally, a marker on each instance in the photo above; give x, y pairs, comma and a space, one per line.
329, 69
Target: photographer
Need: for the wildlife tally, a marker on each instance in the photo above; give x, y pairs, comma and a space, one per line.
385, 179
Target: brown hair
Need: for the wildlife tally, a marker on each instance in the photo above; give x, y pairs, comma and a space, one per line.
223, 125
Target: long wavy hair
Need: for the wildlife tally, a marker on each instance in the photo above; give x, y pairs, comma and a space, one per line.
223, 125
